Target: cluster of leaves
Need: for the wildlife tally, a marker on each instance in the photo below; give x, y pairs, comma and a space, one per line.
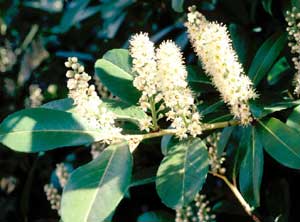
95, 189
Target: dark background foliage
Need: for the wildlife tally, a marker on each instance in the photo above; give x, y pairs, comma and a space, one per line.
88, 31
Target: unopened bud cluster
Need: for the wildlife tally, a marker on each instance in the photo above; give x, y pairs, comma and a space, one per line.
213, 46
53, 197
161, 76
293, 29
62, 174
215, 159
197, 211
88, 102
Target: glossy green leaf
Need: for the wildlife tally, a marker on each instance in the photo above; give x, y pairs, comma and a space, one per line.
40, 129
182, 173
156, 216
114, 71
177, 5
123, 111
60, 104
277, 70
198, 80
281, 142
69, 17
266, 56
251, 170
270, 103
224, 138
239, 152
293, 120
94, 190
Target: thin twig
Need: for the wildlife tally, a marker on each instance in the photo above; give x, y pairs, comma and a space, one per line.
239, 196
28, 39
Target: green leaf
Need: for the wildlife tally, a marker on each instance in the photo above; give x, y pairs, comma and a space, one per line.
241, 41
270, 103
277, 70
40, 129
123, 111
198, 80
182, 173
114, 71
267, 4
224, 138
177, 5
266, 56
251, 170
281, 142
69, 17
60, 104
243, 135
156, 216
95, 189
293, 120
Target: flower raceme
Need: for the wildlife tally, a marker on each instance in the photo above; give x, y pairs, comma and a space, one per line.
161, 76
88, 102
213, 46
293, 29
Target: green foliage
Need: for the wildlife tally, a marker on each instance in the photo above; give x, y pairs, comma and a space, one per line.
177, 5
277, 71
114, 71
95, 189
35, 133
266, 56
251, 170
182, 173
281, 142
157, 216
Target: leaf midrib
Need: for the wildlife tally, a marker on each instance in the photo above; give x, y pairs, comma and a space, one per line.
265, 58
278, 138
129, 77
100, 183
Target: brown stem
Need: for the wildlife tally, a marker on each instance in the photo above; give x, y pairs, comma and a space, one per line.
239, 196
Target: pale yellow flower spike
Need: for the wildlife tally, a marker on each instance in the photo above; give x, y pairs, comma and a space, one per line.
213, 46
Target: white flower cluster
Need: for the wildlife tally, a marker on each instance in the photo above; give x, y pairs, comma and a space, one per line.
215, 160
7, 58
213, 46
88, 102
197, 211
8, 184
293, 29
35, 96
161, 76
62, 174
53, 197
